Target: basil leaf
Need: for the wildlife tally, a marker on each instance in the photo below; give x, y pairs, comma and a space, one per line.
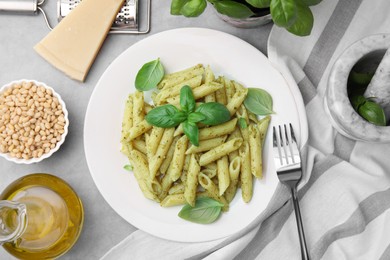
196, 117
233, 9
373, 113
259, 3
242, 123
357, 101
163, 116
206, 211
193, 8
191, 130
215, 113
149, 75
283, 12
180, 117
311, 2
128, 167
176, 6
361, 78
187, 100
304, 21
258, 101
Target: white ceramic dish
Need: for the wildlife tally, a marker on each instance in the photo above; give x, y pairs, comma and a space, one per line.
178, 49
58, 144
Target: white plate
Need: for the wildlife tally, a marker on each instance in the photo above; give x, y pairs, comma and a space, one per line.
178, 49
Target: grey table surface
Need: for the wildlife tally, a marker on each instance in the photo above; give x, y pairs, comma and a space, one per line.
103, 228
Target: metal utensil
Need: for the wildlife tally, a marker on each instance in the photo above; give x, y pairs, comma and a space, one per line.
126, 22
288, 167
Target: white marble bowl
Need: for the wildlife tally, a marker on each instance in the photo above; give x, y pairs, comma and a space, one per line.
343, 117
58, 144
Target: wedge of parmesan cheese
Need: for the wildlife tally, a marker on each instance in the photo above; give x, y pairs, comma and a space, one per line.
73, 44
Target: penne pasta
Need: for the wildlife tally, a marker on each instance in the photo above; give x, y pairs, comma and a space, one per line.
199, 92
177, 189
234, 173
138, 107
218, 130
223, 174
138, 130
246, 175
243, 113
192, 181
176, 78
263, 128
229, 87
235, 134
173, 200
219, 151
255, 151
236, 101
176, 167
156, 160
173, 91
168, 158
212, 190
139, 145
206, 145
220, 94
153, 140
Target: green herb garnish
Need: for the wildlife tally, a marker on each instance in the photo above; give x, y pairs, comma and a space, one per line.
167, 116
259, 102
242, 123
149, 75
128, 167
206, 211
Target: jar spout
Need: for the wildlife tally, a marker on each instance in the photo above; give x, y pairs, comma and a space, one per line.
12, 220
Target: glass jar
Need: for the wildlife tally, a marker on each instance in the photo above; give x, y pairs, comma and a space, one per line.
41, 217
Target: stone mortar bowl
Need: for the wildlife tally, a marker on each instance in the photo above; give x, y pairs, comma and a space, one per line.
367, 52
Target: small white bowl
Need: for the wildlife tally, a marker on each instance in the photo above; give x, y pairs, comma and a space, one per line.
58, 144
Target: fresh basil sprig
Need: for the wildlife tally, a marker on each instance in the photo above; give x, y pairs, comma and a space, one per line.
149, 75
205, 211
259, 102
167, 116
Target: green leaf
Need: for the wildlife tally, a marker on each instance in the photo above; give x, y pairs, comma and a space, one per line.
193, 8
128, 167
176, 6
163, 116
311, 2
284, 12
191, 130
304, 21
149, 75
215, 113
196, 117
242, 123
258, 101
361, 78
180, 117
206, 211
373, 113
187, 100
357, 101
259, 3
233, 9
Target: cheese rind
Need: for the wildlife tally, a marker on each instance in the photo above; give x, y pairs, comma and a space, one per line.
73, 44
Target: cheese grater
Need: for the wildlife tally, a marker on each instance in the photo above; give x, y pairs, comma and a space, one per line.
126, 20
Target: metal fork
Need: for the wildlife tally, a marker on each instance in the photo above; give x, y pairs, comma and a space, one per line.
288, 167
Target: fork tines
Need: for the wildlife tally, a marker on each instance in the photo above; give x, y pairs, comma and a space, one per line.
285, 146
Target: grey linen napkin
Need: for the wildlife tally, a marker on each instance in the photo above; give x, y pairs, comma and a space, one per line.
345, 195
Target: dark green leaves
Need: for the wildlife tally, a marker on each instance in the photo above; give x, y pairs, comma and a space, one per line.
304, 21
258, 101
284, 12
206, 211
311, 2
188, 8
259, 3
164, 116
149, 75
177, 5
369, 110
191, 130
232, 9
215, 113
187, 100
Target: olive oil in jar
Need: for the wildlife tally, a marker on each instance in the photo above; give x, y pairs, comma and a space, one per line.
53, 217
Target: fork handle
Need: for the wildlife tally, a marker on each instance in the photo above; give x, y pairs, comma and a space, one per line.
302, 240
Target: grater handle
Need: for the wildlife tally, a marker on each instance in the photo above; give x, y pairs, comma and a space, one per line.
19, 6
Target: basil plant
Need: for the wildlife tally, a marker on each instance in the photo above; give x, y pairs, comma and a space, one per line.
293, 15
